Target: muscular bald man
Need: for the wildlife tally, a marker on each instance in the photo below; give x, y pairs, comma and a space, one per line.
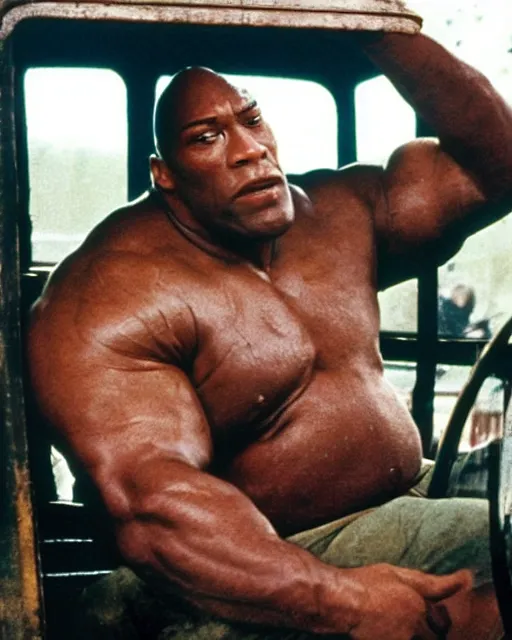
210, 357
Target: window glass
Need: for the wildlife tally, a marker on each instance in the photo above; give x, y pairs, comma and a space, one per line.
77, 148
399, 307
469, 475
62, 476
475, 286
402, 376
304, 143
384, 121
485, 419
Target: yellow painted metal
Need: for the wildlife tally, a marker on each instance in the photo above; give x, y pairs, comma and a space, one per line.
20, 599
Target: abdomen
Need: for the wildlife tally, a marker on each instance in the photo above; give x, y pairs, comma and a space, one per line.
345, 444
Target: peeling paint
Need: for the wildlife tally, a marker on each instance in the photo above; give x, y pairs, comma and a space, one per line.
26, 534
19, 576
387, 15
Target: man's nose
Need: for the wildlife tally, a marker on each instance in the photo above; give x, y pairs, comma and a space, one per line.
245, 148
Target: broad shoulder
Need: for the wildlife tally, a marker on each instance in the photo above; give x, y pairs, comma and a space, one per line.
408, 178
331, 199
367, 180
120, 290
356, 180
127, 256
141, 226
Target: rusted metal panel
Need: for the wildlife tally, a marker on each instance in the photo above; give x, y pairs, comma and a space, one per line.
20, 601
358, 6
388, 15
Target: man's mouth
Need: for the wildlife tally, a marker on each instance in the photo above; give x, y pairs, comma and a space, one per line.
258, 185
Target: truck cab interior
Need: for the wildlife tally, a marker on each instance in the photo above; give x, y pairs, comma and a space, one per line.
79, 82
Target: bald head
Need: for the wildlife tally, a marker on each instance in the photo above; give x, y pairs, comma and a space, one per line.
213, 144
175, 105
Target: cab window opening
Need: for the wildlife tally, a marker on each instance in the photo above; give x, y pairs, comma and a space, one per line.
77, 154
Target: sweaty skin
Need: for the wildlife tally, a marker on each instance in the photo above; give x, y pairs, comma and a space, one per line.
210, 353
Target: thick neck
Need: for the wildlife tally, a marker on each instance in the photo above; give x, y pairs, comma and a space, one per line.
227, 246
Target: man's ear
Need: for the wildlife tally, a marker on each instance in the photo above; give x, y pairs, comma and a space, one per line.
161, 174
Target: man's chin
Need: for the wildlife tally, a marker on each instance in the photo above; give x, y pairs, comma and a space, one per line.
266, 224
278, 229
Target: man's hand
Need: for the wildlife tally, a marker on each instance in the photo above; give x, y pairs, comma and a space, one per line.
402, 604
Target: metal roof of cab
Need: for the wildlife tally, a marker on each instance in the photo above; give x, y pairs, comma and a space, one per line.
388, 15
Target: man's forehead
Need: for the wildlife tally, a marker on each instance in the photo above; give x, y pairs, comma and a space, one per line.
208, 94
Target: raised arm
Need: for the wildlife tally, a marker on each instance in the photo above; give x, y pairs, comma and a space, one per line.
132, 418
450, 188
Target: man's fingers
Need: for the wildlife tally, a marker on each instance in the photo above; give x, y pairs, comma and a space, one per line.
445, 586
435, 588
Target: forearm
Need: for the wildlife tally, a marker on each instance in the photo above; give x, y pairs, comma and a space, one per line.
204, 539
472, 121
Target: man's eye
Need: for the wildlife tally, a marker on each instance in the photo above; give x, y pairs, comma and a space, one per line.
205, 138
253, 121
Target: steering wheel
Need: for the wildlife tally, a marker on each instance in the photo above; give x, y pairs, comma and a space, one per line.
485, 366
499, 486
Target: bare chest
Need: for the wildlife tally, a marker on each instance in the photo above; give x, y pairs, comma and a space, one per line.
262, 338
